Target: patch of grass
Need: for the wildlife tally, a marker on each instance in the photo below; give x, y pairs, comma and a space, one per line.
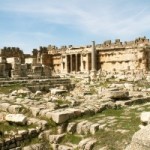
8, 127
122, 119
10, 88
30, 141
50, 122
72, 138
62, 101
113, 140
113, 112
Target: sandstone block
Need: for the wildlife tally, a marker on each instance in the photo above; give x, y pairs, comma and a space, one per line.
140, 140
4, 106
57, 91
119, 95
71, 128
16, 118
94, 128
35, 111
14, 93
56, 138
90, 144
37, 146
60, 117
51, 106
145, 117
83, 143
65, 147
15, 108
79, 126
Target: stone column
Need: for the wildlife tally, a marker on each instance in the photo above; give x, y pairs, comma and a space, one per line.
87, 62
66, 63
93, 61
76, 62
93, 57
70, 63
62, 69
81, 69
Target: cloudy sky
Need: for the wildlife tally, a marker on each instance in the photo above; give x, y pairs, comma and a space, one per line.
29, 24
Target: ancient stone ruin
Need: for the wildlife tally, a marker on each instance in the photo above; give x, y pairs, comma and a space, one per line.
127, 57
76, 98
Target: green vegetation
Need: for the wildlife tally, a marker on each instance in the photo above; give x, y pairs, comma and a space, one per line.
9, 127
72, 138
10, 88
119, 126
62, 102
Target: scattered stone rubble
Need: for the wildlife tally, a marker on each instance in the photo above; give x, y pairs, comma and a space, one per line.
35, 110
141, 139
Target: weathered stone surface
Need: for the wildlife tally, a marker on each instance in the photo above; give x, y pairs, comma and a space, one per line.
90, 144
4, 106
56, 138
35, 111
60, 117
86, 144
71, 128
45, 134
119, 95
16, 118
34, 147
145, 117
129, 86
14, 93
51, 106
86, 128
57, 91
79, 126
140, 140
65, 147
15, 108
94, 128
38, 93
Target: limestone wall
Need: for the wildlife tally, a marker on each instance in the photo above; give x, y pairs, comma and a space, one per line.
29, 60
127, 58
12, 52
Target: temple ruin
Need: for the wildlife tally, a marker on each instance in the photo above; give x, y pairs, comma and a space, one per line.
108, 57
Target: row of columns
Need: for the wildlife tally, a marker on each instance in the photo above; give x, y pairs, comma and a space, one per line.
77, 62
73, 62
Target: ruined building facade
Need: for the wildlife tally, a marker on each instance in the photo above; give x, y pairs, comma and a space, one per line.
107, 57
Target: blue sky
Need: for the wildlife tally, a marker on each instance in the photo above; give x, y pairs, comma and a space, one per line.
29, 24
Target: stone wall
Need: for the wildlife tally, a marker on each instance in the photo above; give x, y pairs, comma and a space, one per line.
109, 56
12, 52
123, 59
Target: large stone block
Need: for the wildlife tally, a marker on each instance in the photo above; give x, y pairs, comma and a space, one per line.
63, 116
145, 117
119, 95
4, 106
60, 117
15, 109
16, 118
57, 91
140, 140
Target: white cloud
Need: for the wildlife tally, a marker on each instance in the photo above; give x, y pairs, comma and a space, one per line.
120, 18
